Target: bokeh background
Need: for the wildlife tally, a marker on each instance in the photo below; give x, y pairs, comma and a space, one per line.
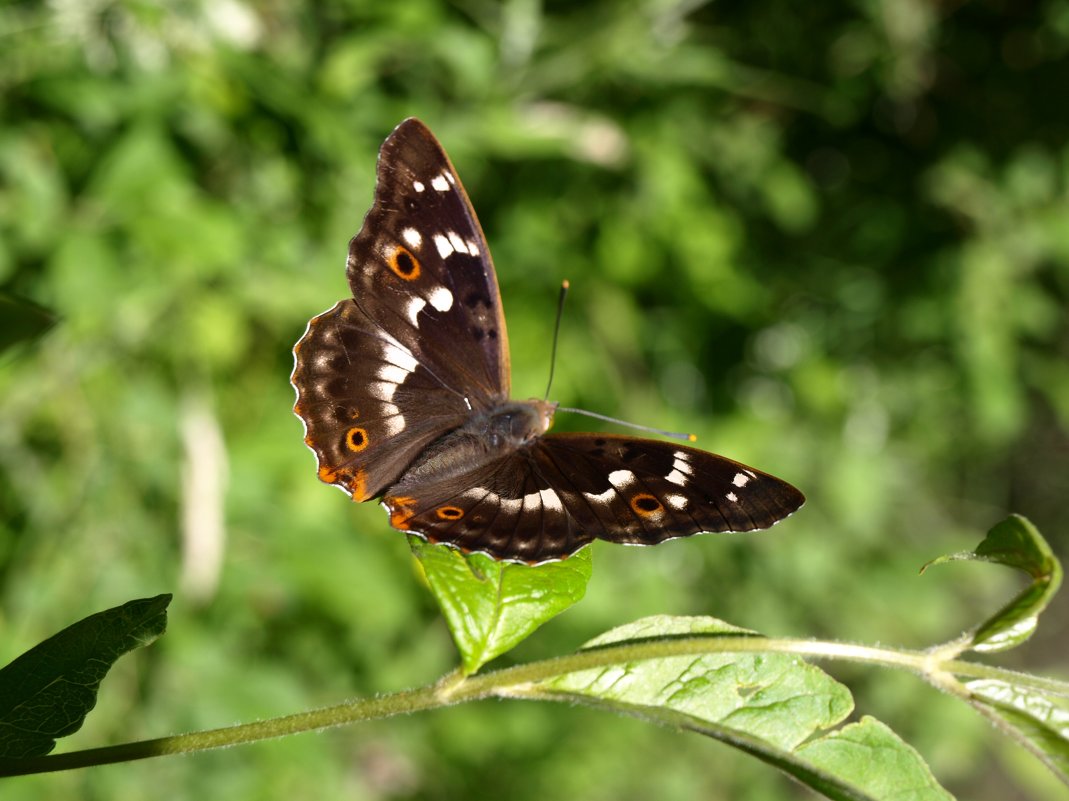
832, 239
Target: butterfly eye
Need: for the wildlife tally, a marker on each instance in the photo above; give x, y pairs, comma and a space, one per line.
449, 512
645, 505
356, 439
404, 265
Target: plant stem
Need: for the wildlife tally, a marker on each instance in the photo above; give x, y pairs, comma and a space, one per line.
521, 681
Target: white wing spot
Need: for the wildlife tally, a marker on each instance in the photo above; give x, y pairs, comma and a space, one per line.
731, 496
551, 500
418, 186
621, 478
740, 480
677, 501
682, 463
442, 299
415, 306
392, 373
510, 505
412, 237
676, 477
444, 247
439, 183
602, 497
394, 425
458, 244
473, 249
449, 177
383, 390
396, 353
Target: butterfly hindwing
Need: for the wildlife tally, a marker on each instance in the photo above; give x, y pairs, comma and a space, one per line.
368, 405
503, 508
421, 270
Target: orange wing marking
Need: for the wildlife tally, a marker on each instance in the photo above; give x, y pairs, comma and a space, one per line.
645, 505
356, 439
404, 265
401, 511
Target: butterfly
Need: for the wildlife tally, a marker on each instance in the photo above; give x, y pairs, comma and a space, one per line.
403, 389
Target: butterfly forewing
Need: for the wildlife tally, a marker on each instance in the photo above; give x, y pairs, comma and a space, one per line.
642, 491
420, 268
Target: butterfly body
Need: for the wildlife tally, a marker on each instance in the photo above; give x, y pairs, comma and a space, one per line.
404, 393
484, 438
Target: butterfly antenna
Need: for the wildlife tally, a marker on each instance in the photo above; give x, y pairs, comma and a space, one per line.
556, 331
650, 429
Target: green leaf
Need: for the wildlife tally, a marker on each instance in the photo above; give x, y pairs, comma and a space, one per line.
1038, 720
864, 761
47, 692
869, 755
777, 697
21, 320
1016, 543
491, 606
770, 705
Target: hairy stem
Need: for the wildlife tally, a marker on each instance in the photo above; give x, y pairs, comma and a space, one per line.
522, 681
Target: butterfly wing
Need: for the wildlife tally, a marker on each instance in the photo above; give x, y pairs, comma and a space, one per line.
504, 508
369, 406
643, 491
546, 501
420, 268
422, 342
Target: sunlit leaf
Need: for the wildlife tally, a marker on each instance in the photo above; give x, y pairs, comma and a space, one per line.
772, 706
1016, 543
777, 697
47, 692
1038, 720
491, 606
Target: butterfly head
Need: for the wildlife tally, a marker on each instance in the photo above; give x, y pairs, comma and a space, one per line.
544, 411
517, 423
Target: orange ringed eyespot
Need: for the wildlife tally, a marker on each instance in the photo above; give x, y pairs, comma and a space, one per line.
404, 265
449, 512
645, 505
356, 439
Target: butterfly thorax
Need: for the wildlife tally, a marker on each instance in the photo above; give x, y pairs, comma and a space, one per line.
485, 437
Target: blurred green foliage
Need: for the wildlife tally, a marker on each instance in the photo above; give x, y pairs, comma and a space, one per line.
832, 239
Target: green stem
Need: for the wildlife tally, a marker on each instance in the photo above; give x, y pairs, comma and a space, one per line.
349, 712
521, 681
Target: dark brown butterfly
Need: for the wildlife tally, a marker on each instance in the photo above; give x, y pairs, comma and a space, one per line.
404, 393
